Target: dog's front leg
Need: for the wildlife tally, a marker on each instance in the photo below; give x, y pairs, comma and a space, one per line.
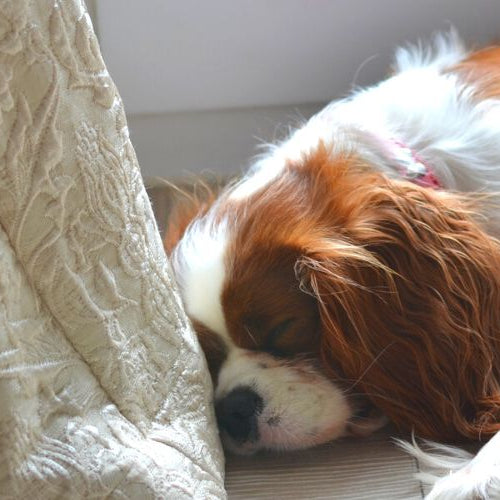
478, 479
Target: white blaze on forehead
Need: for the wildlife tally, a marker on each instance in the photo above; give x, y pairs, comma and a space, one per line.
199, 266
260, 176
302, 142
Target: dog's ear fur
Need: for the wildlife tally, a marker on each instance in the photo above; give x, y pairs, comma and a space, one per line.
187, 203
409, 298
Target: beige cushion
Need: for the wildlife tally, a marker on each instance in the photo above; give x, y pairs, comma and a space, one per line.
372, 468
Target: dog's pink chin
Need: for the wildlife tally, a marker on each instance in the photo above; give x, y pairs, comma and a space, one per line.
273, 439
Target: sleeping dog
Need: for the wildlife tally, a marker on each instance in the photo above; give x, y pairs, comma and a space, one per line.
352, 276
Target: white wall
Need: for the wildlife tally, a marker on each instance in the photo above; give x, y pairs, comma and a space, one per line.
175, 145
201, 78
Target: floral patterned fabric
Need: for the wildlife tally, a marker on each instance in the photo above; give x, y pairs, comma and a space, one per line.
103, 388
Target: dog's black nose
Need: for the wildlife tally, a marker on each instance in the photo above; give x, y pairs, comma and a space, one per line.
237, 414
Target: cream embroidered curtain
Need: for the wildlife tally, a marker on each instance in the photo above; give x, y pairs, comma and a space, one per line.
103, 389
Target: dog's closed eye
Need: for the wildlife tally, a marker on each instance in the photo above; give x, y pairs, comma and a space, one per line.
273, 339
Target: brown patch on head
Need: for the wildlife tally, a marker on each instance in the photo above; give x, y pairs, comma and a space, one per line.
213, 347
264, 305
481, 70
408, 287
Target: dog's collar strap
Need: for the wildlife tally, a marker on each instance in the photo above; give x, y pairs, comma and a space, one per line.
412, 166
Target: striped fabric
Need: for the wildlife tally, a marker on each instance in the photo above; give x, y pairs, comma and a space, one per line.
374, 468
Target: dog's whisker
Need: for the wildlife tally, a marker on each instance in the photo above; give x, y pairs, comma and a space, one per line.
375, 360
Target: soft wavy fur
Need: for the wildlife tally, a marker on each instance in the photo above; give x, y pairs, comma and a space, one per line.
409, 286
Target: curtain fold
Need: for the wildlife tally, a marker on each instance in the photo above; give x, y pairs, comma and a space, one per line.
103, 387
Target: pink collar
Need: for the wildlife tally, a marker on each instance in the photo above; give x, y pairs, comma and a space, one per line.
411, 166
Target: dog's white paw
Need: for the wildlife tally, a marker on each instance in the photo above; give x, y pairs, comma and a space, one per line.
456, 474
472, 482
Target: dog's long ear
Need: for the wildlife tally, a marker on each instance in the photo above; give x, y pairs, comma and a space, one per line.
186, 203
409, 293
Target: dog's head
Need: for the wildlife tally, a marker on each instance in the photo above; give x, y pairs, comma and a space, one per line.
326, 295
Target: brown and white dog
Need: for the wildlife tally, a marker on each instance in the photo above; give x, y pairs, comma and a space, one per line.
352, 276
